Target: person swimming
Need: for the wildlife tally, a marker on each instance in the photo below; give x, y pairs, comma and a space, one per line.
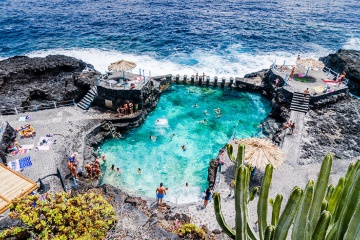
217, 110
203, 121
206, 113
219, 115
195, 105
139, 170
183, 147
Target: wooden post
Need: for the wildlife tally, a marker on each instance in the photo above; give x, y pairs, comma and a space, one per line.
177, 78
215, 81
192, 79
185, 79
200, 80
207, 80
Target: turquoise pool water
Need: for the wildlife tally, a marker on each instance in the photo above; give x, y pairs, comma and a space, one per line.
162, 159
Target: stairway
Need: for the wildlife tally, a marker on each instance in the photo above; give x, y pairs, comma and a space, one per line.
88, 98
107, 125
299, 103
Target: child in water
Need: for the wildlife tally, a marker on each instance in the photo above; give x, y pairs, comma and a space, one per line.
139, 170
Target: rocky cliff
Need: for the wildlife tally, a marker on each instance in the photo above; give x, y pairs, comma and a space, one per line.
24, 80
348, 61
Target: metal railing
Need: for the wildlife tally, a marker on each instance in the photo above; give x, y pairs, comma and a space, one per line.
36, 107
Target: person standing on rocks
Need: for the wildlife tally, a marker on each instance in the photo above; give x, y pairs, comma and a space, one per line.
207, 197
160, 193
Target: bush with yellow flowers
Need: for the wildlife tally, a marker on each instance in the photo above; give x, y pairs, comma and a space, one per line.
190, 231
61, 216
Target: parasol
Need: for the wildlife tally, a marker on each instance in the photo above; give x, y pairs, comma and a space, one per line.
121, 66
260, 152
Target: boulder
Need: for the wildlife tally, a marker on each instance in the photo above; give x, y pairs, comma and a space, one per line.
348, 61
25, 81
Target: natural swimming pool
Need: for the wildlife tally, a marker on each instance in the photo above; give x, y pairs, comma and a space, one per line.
162, 159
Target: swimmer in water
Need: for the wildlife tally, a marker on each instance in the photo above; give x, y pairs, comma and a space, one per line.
173, 135
217, 110
139, 170
206, 113
203, 121
219, 115
183, 147
195, 105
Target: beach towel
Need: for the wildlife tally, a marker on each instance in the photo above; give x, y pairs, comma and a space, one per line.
43, 147
28, 146
20, 151
19, 164
24, 119
48, 141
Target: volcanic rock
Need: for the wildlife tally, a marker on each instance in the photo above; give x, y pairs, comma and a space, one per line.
348, 61
332, 128
25, 81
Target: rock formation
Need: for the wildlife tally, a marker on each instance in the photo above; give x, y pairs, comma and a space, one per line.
333, 128
348, 61
25, 81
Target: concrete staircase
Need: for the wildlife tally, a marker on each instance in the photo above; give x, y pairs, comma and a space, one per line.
299, 102
88, 98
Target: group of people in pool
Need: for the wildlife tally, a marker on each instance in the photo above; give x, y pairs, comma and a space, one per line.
216, 111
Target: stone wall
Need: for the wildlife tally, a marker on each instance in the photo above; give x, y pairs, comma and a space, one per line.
112, 98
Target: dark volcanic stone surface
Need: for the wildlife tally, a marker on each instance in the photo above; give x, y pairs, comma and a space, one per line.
24, 80
348, 61
334, 128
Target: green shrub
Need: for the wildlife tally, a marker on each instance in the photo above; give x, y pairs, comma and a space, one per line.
190, 231
61, 216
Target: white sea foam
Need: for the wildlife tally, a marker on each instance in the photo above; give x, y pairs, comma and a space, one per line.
230, 63
352, 44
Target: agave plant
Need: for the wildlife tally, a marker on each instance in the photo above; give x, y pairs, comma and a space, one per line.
318, 212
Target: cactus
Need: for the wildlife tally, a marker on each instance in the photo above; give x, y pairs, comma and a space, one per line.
336, 195
353, 231
329, 192
288, 214
319, 212
301, 217
276, 210
263, 200
320, 189
322, 225
230, 150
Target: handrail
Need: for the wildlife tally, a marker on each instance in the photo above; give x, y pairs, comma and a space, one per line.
36, 107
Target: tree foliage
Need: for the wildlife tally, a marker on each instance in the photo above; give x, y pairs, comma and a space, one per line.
61, 216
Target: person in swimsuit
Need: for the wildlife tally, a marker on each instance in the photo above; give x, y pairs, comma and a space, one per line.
207, 197
160, 193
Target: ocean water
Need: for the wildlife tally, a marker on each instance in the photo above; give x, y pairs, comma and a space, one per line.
163, 159
224, 38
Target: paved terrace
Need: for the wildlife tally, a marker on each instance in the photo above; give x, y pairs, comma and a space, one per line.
315, 80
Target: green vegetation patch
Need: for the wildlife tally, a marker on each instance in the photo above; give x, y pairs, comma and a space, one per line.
61, 216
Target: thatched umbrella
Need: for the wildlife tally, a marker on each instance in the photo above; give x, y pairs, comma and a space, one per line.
121, 66
310, 62
260, 152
